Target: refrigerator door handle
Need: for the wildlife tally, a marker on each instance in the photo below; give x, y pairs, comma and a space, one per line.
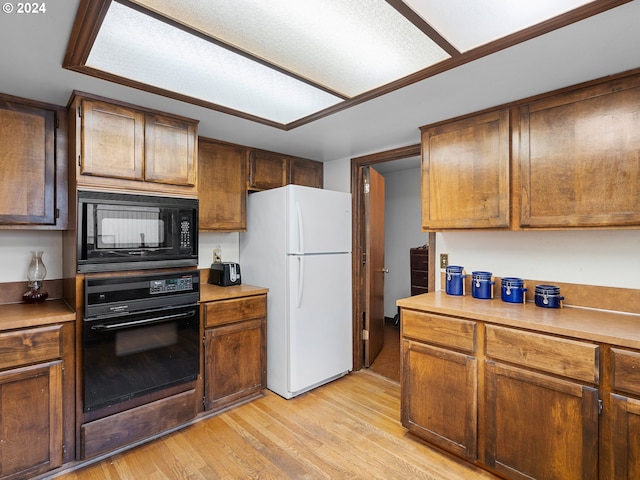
300, 229
300, 279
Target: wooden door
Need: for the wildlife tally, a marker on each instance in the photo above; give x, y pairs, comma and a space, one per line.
170, 151
27, 163
222, 186
539, 426
439, 397
31, 419
465, 173
374, 265
112, 141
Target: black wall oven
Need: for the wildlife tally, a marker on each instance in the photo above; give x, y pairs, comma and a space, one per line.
141, 334
131, 232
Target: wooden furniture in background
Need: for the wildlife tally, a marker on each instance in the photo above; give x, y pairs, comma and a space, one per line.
419, 264
33, 162
124, 147
222, 186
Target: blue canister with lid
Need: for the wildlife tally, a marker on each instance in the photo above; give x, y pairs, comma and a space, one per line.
513, 290
548, 296
482, 285
454, 282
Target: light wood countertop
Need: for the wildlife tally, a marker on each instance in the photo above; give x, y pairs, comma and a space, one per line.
212, 293
23, 315
622, 329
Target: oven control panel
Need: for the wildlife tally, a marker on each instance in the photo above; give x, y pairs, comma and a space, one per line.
167, 285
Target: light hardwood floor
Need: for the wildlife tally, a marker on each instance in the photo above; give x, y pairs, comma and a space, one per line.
348, 429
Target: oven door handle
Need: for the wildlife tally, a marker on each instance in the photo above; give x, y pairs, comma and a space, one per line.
146, 321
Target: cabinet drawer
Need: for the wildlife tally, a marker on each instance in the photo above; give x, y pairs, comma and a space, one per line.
438, 330
625, 374
560, 356
234, 310
32, 345
419, 261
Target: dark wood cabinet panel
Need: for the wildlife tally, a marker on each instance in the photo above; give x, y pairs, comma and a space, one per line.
235, 350
439, 397
123, 147
465, 173
539, 426
222, 186
267, 170
30, 193
306, 172
170, 151
579, 157
31, 426
625, 444
112, 140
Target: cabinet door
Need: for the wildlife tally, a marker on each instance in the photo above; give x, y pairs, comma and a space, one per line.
170, 151
267, 170
625, 445
112, 141
306, 172
439, 397
31, 419
465, 173
539, 426
27, 163
222, 186
235, 363
579, 158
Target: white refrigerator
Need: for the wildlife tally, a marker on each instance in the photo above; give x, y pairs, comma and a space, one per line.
298, 245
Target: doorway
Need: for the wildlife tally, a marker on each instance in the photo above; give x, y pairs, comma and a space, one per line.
360, 226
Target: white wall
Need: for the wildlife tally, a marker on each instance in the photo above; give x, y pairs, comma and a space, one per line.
602, 257
228, 242
402, 231
15, 253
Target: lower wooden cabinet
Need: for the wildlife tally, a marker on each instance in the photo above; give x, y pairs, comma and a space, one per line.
540, 426
235, 356
624, 450
33, 392
440, 397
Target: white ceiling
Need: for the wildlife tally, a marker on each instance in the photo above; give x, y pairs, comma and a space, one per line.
33, 47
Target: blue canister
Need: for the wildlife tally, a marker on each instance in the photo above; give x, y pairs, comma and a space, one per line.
482, 285
454, 284
548, 296
513, 290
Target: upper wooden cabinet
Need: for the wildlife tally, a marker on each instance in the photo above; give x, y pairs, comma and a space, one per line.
124, 147
222, 186
33, 162
561, 160
465, 173
266, 170
579, 157
306, 172
271, 170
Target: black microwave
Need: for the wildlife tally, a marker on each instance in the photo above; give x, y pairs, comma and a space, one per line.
129, 232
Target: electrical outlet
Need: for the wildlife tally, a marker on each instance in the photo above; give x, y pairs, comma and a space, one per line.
444, 260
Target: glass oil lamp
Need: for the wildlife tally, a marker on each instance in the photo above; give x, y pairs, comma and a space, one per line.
36, 274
